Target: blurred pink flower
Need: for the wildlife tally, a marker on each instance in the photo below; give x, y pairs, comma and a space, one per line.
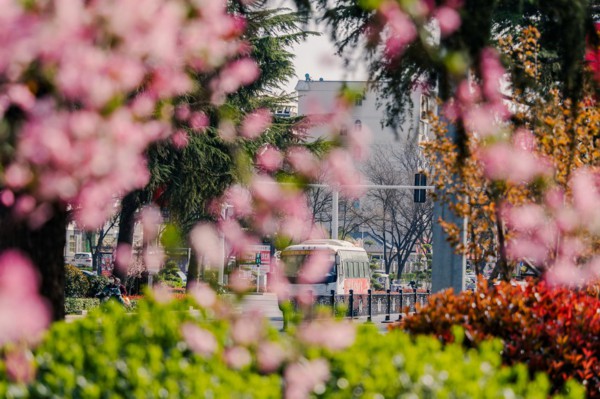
24, 314
199, 121
493, 73
183, 112
180, 139
7, 197
585, 186
342, 173
238, 283
204, 296
567, 273
162, 293
316, 267
270, 356
402, 30
301, 378
237, 357
256, 123
207, 244
19, 364
248, 329
269, 158
240, 199
448, 20
303, 161
154, 257
238, 73
199, 340
330, 334
151, 219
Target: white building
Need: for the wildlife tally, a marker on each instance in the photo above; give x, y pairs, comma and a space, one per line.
317, 98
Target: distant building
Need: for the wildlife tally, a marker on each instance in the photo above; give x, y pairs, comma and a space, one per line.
317, 98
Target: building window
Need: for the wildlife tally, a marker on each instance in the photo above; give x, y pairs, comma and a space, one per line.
358, 125
359, 100
72, 247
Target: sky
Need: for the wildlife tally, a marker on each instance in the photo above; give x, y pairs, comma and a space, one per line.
316, 56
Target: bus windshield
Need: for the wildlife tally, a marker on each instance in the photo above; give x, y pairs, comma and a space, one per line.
294, 259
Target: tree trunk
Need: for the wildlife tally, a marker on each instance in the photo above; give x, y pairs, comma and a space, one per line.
45, 248
129, 206
193, 272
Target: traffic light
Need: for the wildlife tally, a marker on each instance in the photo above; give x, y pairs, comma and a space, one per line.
258, 259
420, 195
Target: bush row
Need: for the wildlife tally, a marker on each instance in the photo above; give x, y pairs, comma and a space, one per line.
166, 351
551, 329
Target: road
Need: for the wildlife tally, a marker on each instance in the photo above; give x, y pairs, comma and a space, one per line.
266, 304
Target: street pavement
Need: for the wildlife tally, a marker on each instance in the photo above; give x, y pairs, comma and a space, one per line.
266, 304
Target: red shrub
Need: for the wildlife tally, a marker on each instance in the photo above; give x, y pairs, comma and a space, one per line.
551, 329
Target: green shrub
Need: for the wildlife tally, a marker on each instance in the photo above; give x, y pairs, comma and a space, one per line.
76, 283
550, 329
110, 354
168, 275
77, 305
97, 284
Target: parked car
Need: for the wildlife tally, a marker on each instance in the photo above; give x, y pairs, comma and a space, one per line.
82, 259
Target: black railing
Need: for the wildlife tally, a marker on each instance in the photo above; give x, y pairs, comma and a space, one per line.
369, 305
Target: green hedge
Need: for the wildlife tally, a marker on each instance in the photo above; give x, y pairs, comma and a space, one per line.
78, 305
112, 354
76, 283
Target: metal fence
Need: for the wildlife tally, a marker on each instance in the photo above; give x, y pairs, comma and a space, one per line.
370, 304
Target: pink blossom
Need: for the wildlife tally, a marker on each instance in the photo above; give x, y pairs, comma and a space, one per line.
7, 197
238, 283
524, 248
448, 20
199, 340
301, 378
240, 199
525, 140
248, 329
329, 334
303, 161
269, 158
402, 30
502, 161
316, 267
183, 112
180, 139
493, 74
162, 293
256, 123
154, 257
199, 121
270, 356
278, 284
341, 172
207, 244
151, 219
123, 257
203, 295
19, 365
566, 273
238, 73
585, 186
236, 237
24, 315
237, 357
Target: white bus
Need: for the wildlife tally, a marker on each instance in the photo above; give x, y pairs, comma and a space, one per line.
349, 267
